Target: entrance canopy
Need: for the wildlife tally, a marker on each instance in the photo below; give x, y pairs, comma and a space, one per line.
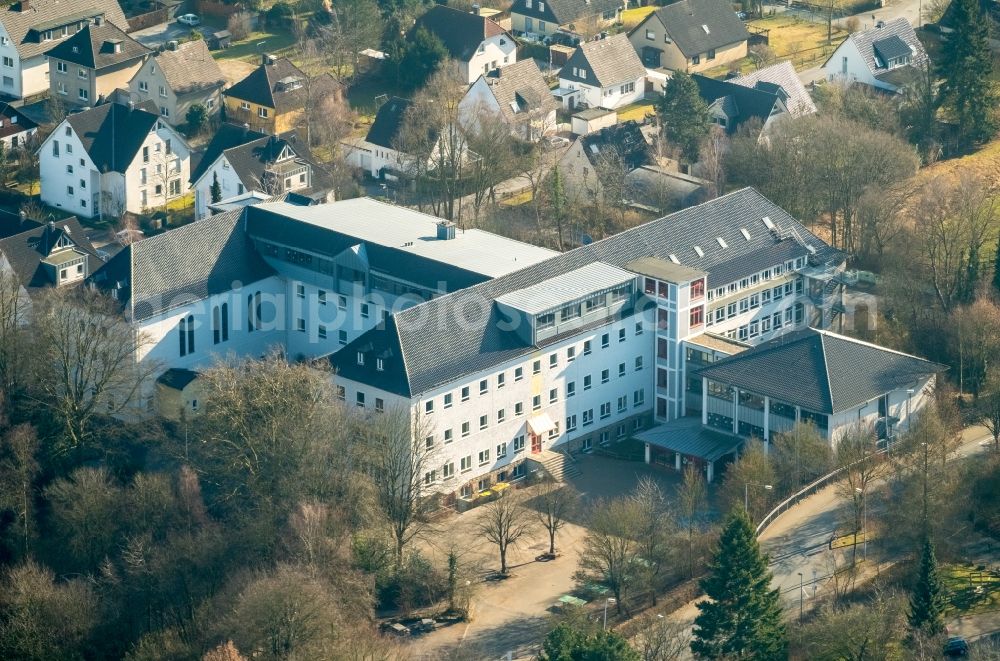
541, 424
688, 437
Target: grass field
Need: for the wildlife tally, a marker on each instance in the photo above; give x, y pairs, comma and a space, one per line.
276, 43
636, 111
970, 590
632, 17
790, 35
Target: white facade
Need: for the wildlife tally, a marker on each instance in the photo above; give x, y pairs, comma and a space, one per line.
158, 173
479, 101
229, 182
494, 52
847, 65
610, 97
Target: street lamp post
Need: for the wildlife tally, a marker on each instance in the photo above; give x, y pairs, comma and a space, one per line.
864, 510
746, 493
609, 600
800, 596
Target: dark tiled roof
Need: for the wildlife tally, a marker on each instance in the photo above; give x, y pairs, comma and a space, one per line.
9, 127
688, 436
388, 121
565, 12
743, 103
190, 68
251, 160
227, 137
625, 140
833, 373
12, 223
22, 26
476, 339
784, 76
281, 85
26, 250
685, 22
182, 265
460, 32
176, 378
610, 61
113, 133
94, 47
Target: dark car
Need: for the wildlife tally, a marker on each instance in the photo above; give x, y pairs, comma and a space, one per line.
956, 647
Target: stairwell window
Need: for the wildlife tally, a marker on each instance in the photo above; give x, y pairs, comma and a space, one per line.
186, 335
220, 323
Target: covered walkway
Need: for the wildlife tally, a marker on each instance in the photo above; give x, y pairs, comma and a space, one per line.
687, 441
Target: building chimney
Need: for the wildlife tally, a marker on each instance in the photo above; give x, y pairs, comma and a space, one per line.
880, 24
267, 59
131, 104
246, 128
445, 230
98, 20
24, 5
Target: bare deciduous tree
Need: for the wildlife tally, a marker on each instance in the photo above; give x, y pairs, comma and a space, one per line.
554, 504
855, 455
611, 553
18, 470
692, 503
662, 639
505, 521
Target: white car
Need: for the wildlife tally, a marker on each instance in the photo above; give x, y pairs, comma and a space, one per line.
189, 19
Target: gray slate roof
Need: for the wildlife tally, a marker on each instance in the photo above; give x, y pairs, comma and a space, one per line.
182, 265
266, 86
740, 103
684, 22
783, 75
13, 121
688, 436
93, 47
26, 250
52, 14
523, 84
112, 133
461, 32
832, 373
190, 68
900, 28
566, 12
388, 121
608, 62
226, 137
442, 340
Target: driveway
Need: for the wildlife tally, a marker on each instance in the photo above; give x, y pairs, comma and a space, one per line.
159, 35
512, 615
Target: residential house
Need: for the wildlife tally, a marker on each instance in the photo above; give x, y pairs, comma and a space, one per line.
603, 157
273, 97
576, 19
379, 154
53, 254
605, 73
888, 56
783, 80
243, 161
730, 105
179, 77
478, 44
94, 62
31, 27
516, 94
111, 159
691, 35
16, 128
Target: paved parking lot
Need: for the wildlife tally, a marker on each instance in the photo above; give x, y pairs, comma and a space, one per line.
160, 34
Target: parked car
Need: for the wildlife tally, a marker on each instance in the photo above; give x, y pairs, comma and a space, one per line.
742, 15
556, 141
189, 19
956, 647
395, 629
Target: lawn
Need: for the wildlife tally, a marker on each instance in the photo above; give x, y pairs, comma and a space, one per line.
793, 38
632, 17
970, 590
636, 111
251, 48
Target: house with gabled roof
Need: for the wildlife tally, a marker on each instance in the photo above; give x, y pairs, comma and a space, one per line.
621, 147
52, 254
517, 95
888, 57
179, 77
380, 154
241, 161
604, 73
783, 80
273, 97
576, 19
29, 28
730, 104
16, 128
111, 159
690, 36
93, 63
477, 43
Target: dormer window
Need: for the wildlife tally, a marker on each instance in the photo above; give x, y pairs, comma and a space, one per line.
527, 3
379, 365
361, 358
541, 6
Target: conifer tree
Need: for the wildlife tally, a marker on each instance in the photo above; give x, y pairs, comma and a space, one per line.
966, 67
927, 600
216, 190
742, 616
684, 115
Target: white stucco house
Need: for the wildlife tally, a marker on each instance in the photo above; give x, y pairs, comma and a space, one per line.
606, 73
29, 28
477, 43
111, 159
888, 56
517, 95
